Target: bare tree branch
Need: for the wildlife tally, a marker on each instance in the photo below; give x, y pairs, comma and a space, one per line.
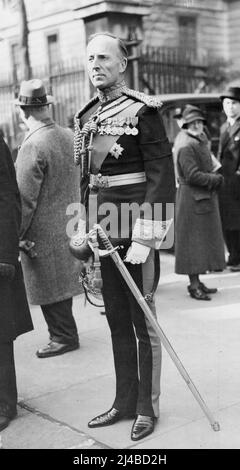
20, 7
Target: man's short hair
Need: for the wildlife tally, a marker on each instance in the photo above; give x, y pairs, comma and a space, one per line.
121, 45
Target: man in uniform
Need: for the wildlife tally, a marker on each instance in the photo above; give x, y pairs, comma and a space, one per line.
125, 158
229, 156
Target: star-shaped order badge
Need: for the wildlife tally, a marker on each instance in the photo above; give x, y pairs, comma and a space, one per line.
116, 150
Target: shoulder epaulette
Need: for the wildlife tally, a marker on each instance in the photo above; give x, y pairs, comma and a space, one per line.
86, 107
146, 99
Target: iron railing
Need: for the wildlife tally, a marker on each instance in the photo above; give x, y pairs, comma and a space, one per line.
66, 82
160, 70
169, 70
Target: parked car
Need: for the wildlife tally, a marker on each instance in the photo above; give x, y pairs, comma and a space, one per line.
210, 104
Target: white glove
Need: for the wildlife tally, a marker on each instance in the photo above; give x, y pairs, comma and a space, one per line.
137, 253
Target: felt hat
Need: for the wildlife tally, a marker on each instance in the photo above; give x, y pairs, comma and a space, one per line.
33, 93
233, 93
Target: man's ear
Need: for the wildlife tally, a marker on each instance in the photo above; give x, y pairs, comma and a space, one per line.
123, 65
24, 114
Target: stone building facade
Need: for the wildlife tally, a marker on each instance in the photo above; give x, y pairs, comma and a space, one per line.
54, 34
58, 29
233, 32
58, 32
210, 27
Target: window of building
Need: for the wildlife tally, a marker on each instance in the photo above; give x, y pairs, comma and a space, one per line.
53, 50
15, 57
187, 26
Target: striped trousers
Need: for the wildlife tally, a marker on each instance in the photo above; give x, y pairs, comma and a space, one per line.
136, 346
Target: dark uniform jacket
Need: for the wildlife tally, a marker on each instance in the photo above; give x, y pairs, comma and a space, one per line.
229, 156
14, 312
147, 151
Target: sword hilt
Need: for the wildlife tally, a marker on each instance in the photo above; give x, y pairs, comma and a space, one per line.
108, 245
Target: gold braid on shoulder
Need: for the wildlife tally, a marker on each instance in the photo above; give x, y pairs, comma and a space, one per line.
78, 134
150, 101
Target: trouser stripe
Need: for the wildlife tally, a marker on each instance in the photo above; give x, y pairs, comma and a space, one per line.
137, 366
148, 274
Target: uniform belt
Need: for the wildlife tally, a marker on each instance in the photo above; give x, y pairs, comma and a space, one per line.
100, 181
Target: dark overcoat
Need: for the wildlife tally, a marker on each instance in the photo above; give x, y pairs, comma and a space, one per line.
15, 316
199, 245
229, 156
49, 188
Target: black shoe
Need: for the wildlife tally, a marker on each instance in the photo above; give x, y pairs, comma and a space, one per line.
235, 269
5, 420
55, 349
142, 427
207, 290
232, 262
108, 418
198, 294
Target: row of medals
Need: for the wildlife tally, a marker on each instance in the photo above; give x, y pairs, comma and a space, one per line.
119, 126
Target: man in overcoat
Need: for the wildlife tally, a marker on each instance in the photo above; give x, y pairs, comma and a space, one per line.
48, 184
128, 162
229, 156
15, 316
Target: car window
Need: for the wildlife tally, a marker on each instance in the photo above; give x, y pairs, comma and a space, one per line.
215, 118
170, 123
212, 111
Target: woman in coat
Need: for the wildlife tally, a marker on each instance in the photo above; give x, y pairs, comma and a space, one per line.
15, 317
199, 239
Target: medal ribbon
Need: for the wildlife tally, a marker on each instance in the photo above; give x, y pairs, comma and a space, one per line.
103, 143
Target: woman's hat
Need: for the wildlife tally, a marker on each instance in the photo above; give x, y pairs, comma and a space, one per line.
190, 114
233, 93
33, 93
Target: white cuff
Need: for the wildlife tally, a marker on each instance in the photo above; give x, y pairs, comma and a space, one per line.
151, 232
